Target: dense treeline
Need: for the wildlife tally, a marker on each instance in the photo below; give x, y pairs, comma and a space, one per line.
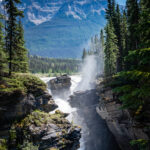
13, 54
53, 66
127, 57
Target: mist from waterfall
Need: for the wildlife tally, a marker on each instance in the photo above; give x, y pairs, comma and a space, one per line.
91, 68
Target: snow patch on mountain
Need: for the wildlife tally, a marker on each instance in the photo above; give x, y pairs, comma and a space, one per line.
81, 2
39, 19
98, 11
70, 12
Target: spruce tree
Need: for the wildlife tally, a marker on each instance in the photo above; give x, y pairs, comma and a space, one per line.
124, 40
102, 47
21, 59
111, 50
133, 21
145, 23
119, 37
2, 51
102, 40
11, 31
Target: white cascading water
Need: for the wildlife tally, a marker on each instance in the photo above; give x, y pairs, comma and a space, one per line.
78, 83
63, 104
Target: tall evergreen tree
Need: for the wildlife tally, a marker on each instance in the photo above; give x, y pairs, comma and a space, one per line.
102, 47
11, 30
145, 23
2, 51
117, 26
133, 21
110, 11
124, 40
111, 50
102, 40
21, 59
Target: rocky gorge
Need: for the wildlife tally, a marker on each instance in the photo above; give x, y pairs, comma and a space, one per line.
26, 122
129, 133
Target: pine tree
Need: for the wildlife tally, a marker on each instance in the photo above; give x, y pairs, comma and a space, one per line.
102, 47
133, 21
11, 30
96, 45
111, 50
145, 23
102, 40
124, 40
21, 59
110, 11
2, 52
119, 37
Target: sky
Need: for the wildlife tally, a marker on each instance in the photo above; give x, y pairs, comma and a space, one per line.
121, 2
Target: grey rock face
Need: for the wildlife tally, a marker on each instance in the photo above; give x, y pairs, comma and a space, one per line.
119, 121
23, 105
60, 86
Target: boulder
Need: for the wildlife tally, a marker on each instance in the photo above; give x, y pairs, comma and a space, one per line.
23, 105
46, 131
60, 85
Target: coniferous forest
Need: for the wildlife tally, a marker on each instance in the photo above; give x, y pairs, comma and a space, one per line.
123, 51
53, 66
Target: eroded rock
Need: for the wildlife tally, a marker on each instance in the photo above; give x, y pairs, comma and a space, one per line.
120, 122
46, 131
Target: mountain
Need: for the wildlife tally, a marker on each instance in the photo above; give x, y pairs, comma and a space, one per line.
61, 28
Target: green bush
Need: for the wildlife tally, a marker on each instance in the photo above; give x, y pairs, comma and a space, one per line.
141, 144
23, 83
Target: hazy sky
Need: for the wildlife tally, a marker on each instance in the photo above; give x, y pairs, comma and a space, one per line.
121, 2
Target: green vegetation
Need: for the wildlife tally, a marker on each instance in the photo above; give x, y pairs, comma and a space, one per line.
53, 66
35, 124
129, 56
21, 83
140, 144
3, 144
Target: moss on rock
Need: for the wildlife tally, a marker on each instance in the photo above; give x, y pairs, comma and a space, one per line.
22, 84
47, 130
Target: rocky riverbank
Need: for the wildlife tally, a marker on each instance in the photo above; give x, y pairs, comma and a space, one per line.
95, 133
127, 130
25, 119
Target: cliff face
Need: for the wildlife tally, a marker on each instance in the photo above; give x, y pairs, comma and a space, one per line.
26, 122
119, 121
13, 107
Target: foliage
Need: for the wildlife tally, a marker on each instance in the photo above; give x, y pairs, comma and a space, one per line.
141, 144
2, 52
28, 146
111, 50
52, 66
14, 40
22, 83
133, 86
144, 25
3, 144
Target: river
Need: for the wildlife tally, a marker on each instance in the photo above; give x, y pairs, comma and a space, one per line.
82, 112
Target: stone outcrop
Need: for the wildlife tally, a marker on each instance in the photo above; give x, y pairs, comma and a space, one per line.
119, 121
60, 85
46, 131
22, 105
